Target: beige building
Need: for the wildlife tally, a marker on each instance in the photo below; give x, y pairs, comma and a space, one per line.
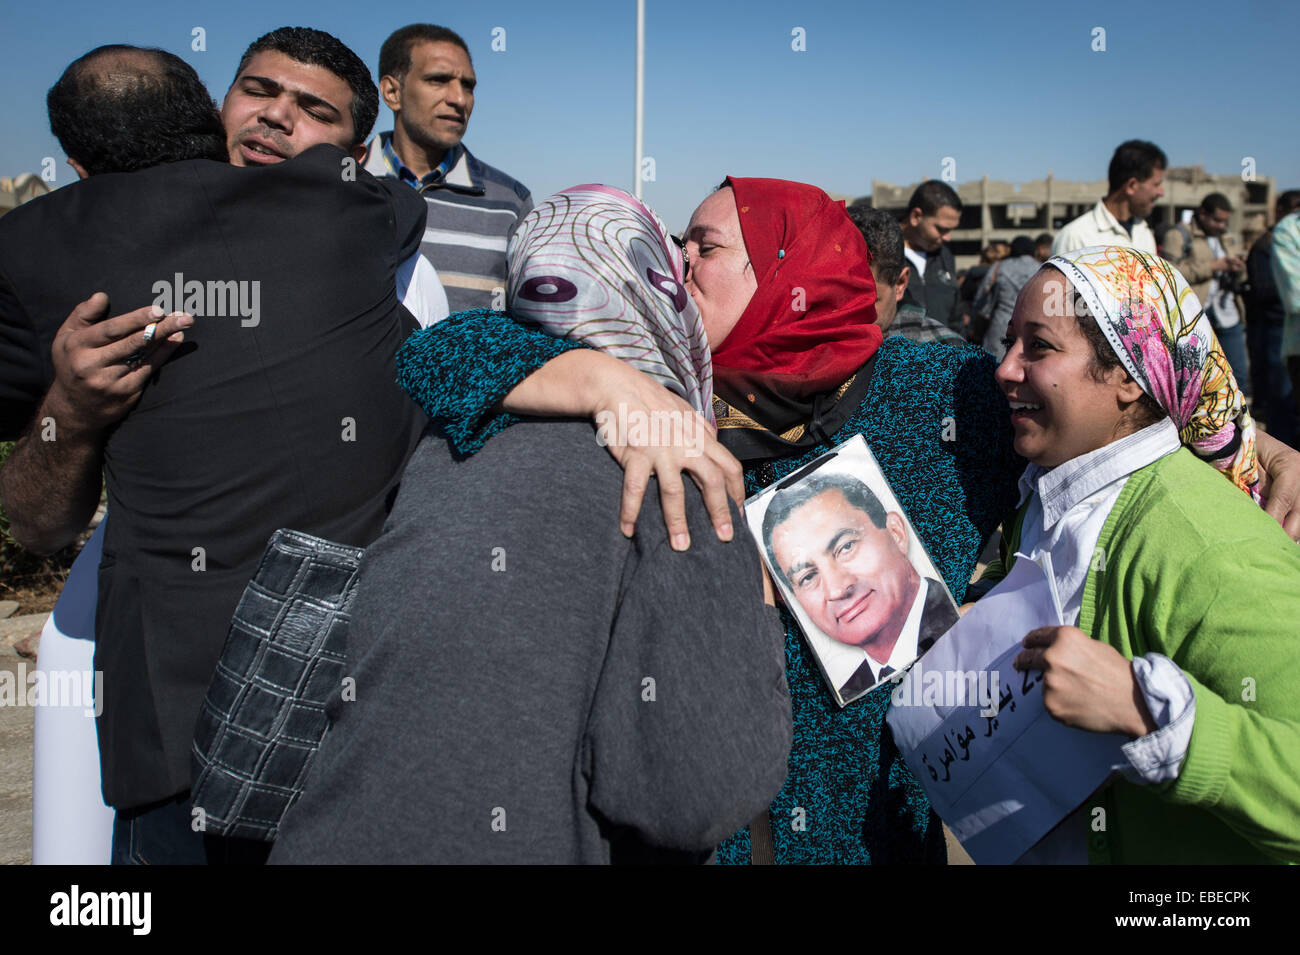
993, 209
23, 188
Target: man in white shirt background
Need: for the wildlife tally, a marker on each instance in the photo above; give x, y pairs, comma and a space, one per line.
1136, 181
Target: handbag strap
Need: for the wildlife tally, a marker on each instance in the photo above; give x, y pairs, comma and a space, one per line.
762, 847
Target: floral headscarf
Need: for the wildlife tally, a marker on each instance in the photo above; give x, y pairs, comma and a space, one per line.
1157, 328
593, 263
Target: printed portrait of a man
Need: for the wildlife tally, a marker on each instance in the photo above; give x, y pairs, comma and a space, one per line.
845, 559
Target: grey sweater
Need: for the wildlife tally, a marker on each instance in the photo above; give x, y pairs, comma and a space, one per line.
531, 686
1010, 277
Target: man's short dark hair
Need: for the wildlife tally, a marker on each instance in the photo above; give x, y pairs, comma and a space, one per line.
395, 54
1022, 245
1044, 238
1215, 202
122, 108
884, 240
1288, 202
329, 52
1135, 159
784, 502
931, 196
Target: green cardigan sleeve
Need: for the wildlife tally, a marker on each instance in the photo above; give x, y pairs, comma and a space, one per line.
1234, 623
1000, 566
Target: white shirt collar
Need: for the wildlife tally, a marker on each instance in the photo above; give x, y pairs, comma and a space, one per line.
1065, 485
1106, 219
459, 175
905, 652
918, 260
377, 165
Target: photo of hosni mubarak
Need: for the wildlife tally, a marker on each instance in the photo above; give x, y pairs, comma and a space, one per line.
863, 589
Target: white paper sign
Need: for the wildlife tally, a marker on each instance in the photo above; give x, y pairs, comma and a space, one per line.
999, 770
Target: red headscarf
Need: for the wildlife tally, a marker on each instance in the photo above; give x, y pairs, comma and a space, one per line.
812, 321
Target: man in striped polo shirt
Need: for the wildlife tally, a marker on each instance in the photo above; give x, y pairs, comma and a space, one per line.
427, 80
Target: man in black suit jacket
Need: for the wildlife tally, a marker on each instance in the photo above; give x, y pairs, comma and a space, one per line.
937, 616
278, 409
933, 211
845, 559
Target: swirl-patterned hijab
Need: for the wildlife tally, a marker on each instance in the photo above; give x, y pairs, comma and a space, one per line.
593, 263
1157, 328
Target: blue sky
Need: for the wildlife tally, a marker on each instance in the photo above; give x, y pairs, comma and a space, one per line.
883, 90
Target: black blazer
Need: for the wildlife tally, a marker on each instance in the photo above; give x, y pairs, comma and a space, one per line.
937, 616
936, 291
295, 421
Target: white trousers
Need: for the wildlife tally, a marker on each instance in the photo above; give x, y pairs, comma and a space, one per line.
71, 825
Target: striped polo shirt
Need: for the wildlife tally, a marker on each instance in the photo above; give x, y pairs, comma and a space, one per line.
473, 210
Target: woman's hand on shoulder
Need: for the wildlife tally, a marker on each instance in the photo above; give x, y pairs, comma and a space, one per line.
646, 428
649, 430
1279, 466
1086, 684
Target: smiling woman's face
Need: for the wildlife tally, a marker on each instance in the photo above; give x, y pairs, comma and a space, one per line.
1059, 409
721, 280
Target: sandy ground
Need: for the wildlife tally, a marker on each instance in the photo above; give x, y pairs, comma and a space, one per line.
16, 750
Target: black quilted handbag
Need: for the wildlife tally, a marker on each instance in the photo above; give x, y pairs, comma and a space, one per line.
264, 714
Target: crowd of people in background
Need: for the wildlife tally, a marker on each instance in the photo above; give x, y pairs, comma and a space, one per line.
1242, 297
528, 683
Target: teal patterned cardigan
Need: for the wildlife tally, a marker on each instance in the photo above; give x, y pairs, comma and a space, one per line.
940, 428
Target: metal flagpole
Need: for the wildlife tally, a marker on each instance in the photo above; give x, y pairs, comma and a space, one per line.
640, 94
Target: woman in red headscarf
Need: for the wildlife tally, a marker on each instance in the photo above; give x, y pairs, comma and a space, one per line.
809, 322
783, 281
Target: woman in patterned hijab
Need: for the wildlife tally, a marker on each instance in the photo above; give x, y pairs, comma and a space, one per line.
1174, 592
1162, 337
592, 263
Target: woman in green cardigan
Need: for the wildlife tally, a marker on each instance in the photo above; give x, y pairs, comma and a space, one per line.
1182, 595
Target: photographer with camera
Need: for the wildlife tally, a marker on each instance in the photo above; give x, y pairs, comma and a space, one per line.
1211, 261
